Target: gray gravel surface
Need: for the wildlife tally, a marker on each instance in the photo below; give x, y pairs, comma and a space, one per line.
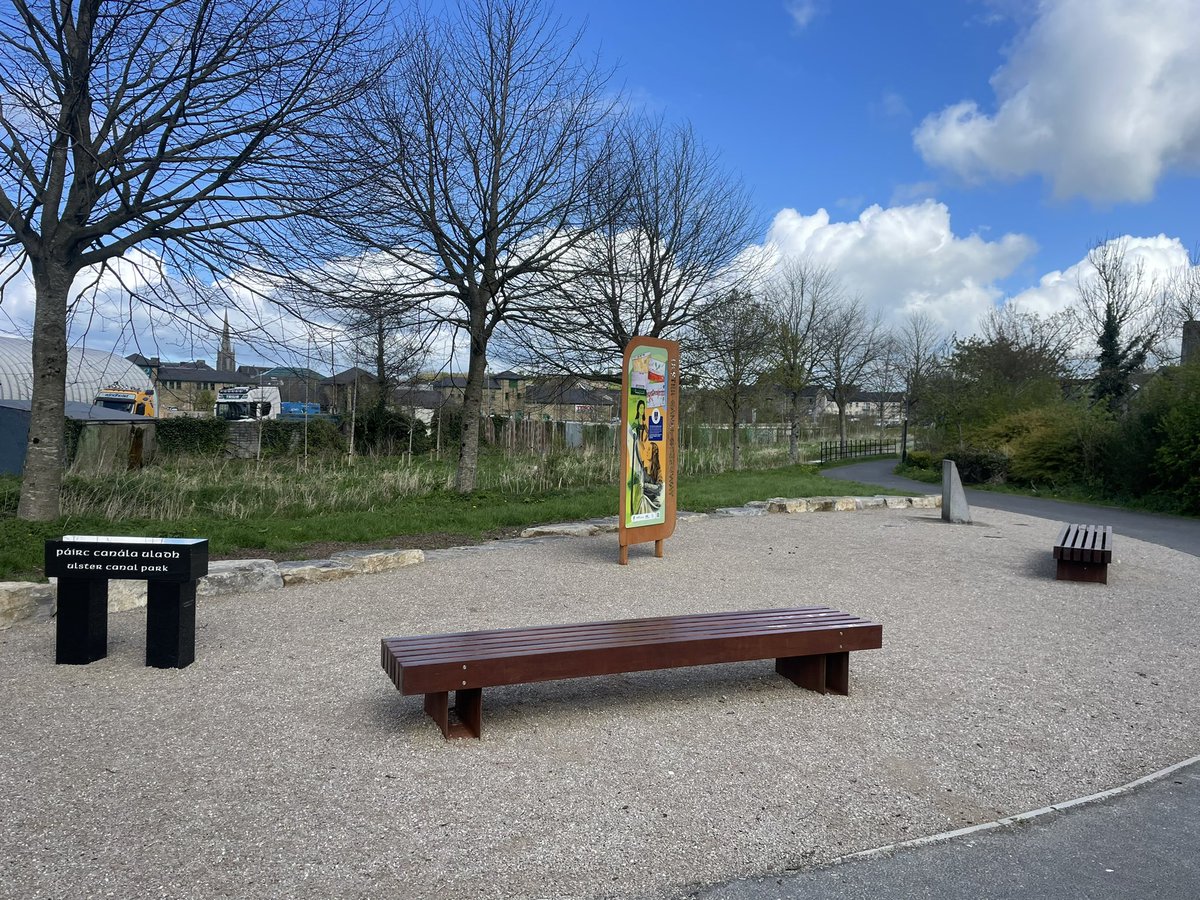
284, 763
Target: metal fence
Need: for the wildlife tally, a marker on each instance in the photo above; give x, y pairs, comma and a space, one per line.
832, 450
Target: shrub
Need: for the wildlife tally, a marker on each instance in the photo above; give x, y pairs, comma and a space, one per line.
1176, 461
323, 437
449, 420
279, 437
387, 431
1058, 444
204, 437
979, 465
921, 459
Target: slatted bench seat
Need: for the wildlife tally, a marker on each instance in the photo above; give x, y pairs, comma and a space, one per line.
810, 645
1084, 552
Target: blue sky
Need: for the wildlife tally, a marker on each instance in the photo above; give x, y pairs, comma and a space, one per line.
818, 104
944, 157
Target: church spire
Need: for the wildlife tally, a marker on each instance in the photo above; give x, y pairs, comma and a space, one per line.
225, 358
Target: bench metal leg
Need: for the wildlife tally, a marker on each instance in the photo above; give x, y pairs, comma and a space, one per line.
803, 671
468, 707
1070, 570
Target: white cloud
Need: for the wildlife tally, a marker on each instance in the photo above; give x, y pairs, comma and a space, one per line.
1055, 291
1098, 96
802, 11
906, 258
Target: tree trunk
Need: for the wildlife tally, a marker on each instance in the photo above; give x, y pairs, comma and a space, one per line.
842, 424
794, 429
733, 440
41, 482
468, 453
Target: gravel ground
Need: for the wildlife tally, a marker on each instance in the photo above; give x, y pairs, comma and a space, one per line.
283, 763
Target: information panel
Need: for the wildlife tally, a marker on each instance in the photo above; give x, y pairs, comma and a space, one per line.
649, 450
150, 559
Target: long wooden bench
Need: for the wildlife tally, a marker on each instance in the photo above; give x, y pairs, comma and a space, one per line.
811, 646
1083, 553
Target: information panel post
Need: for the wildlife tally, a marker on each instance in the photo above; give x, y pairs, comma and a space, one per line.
649, 443
171, 567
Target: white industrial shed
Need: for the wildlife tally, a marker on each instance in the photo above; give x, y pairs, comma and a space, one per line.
87, 372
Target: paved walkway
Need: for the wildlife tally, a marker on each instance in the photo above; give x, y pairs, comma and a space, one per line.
1176, 532
1140, 843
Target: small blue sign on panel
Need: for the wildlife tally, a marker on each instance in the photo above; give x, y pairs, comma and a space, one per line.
656, 425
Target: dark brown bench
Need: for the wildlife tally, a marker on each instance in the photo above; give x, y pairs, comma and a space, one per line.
1084, 552
810, 645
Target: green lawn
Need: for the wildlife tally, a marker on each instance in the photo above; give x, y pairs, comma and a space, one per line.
281, 508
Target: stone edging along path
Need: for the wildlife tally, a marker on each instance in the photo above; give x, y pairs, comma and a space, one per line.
28, 601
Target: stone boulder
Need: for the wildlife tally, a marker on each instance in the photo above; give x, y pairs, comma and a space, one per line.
562, 529
22, 601
239, 576
369, 562
313, 571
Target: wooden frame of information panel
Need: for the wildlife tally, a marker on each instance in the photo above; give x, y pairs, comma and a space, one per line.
663, 524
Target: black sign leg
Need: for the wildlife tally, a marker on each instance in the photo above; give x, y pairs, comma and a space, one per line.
82, 621
170, 624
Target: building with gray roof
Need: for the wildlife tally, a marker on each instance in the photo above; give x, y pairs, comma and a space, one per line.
88, 371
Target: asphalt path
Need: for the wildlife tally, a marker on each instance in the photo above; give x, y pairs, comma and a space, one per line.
1176, 532
1139, 843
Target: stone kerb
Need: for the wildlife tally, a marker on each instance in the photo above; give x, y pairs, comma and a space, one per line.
30, 601
22, 601
847, 504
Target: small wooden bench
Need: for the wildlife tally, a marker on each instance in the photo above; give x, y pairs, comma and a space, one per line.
811, 646
1084, 552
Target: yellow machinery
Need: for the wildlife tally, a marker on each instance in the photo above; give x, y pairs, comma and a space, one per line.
130, 400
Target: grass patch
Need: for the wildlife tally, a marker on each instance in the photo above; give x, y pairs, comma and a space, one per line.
918, 473
281, 507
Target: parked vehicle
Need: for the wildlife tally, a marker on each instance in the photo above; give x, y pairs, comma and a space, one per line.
290, 409
129, 400
247, 404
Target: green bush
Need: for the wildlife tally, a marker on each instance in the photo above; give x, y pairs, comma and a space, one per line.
449, 420
386, 432
1175, 465
1057, 444
73, 428
203, 437
279, 437
921, 459
980, 465
323, 437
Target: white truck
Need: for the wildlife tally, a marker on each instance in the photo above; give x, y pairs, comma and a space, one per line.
247, 404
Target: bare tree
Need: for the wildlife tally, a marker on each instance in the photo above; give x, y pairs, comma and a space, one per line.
479, 152
920, 343
176, 129
1043, 345
884, 376
851, 339
799, 294
1182, 292
1122, 308
736, 341
664, 228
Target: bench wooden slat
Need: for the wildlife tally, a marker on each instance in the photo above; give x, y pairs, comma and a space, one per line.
485, 644
1083, 552
698, 618
466, 662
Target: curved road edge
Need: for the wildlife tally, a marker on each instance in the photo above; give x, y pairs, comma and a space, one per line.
1177, 532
